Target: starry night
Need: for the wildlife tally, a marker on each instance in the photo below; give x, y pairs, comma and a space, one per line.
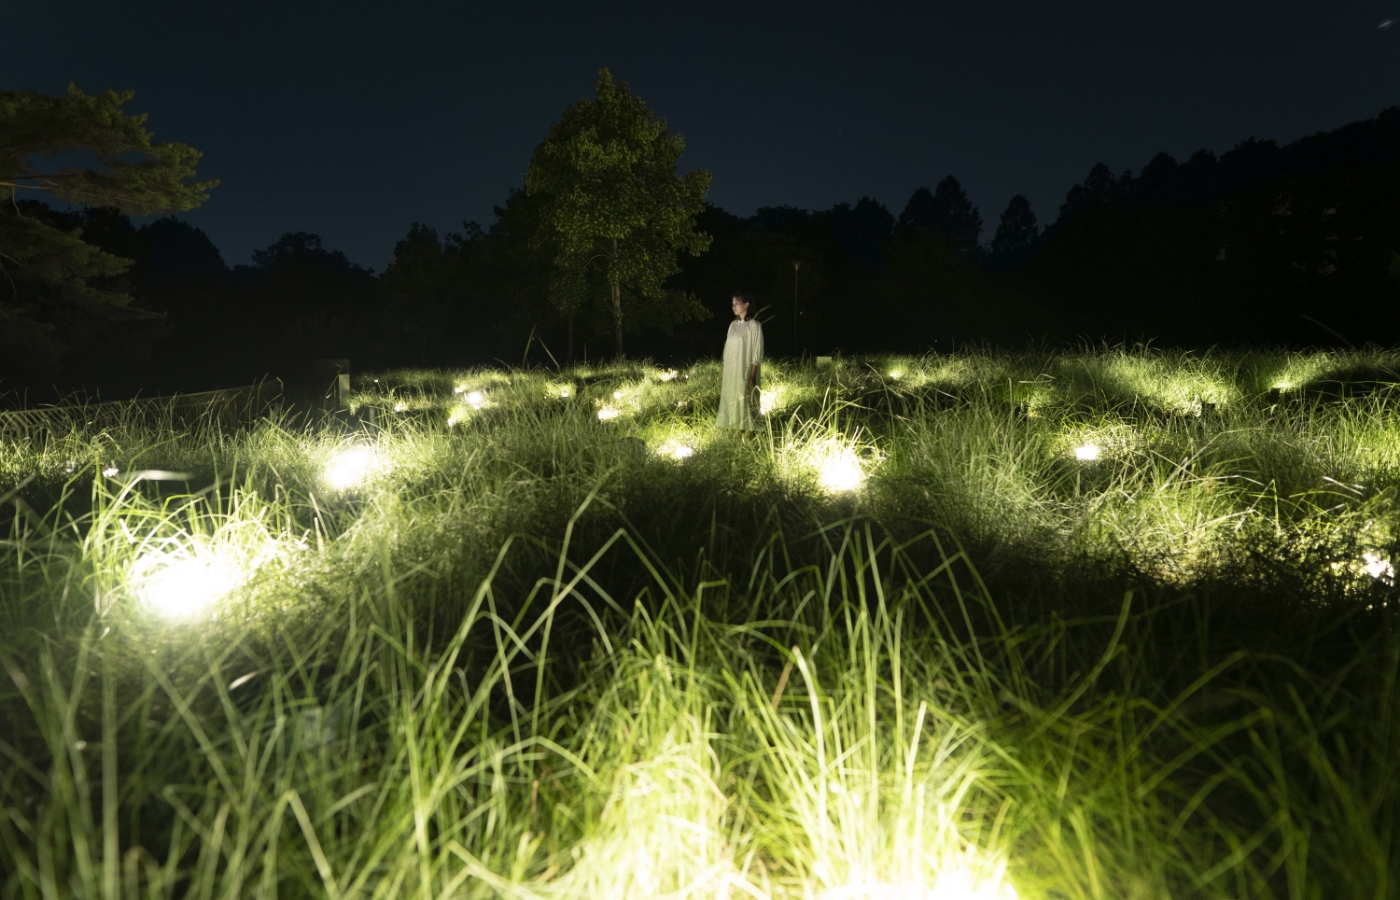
774, 451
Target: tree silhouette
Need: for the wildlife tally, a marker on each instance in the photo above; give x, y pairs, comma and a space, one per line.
946, 211
54, 286
1016, 232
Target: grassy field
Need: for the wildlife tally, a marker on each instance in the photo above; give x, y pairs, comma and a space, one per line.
1099, 624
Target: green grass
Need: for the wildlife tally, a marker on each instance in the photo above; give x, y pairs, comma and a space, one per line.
487, 643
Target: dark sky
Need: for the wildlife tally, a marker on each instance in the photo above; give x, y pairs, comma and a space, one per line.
353, 119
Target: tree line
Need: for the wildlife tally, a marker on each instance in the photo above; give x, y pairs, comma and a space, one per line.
604, 248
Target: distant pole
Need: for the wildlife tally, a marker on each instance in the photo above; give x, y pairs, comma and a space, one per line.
796, 344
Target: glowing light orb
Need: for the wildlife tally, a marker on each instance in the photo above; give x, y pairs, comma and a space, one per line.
1377, 567
840, 469
351, 466
896, 374
1087, 452
475, 400
400, 406
617, 395
676, 450
177, 588
608, 413
563, 393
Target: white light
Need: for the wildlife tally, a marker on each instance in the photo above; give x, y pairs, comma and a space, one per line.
840, 469
110, 472
608, 413
766, 401
475, 400
617, 395
1087, 452
460, 389
676, 450
180, 588
563, 393
896, 374
1377, 566
351, 466
400, 406
668, 375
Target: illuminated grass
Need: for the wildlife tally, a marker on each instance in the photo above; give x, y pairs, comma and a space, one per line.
532, 653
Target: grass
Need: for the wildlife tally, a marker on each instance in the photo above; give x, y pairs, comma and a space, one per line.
903, 643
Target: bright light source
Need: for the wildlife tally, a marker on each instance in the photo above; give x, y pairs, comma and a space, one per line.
608, 413
617, 395
1087, 452
460, 389
563, 393
896, 374
676, 450
178, 588
839, 469
766, 401
475, 400
1377, 566
954, 885
400, 406
110, 472
351, 466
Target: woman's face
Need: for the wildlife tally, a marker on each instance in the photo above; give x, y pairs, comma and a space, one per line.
741, 309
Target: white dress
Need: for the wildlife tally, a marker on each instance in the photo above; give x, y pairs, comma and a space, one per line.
743, 348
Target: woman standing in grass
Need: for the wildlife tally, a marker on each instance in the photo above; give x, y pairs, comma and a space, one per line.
743, 355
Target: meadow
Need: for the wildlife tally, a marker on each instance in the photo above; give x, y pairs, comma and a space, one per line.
1103, 623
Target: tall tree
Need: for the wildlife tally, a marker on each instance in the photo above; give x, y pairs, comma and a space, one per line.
1016, 231
55, 285
947, 211
615, 212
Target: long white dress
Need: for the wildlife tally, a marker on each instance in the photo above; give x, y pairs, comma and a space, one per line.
743, 348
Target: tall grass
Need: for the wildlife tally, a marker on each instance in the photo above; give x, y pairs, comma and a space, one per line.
537, 653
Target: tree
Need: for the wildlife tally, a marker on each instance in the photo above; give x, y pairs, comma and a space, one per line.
614, 212
55, 284
1016, 231
947, 211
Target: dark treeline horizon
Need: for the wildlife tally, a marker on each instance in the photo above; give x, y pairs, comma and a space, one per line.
1263, 245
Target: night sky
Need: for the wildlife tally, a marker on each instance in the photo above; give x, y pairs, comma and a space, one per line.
354, 119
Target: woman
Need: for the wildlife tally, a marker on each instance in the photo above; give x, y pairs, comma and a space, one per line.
743, 355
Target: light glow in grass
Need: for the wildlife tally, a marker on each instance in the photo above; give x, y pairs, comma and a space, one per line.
176, 586
1377, 566
1087, 452
351, 466
839, 468
475, 400
676, 450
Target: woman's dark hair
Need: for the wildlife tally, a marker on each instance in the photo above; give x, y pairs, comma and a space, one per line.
744, 297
